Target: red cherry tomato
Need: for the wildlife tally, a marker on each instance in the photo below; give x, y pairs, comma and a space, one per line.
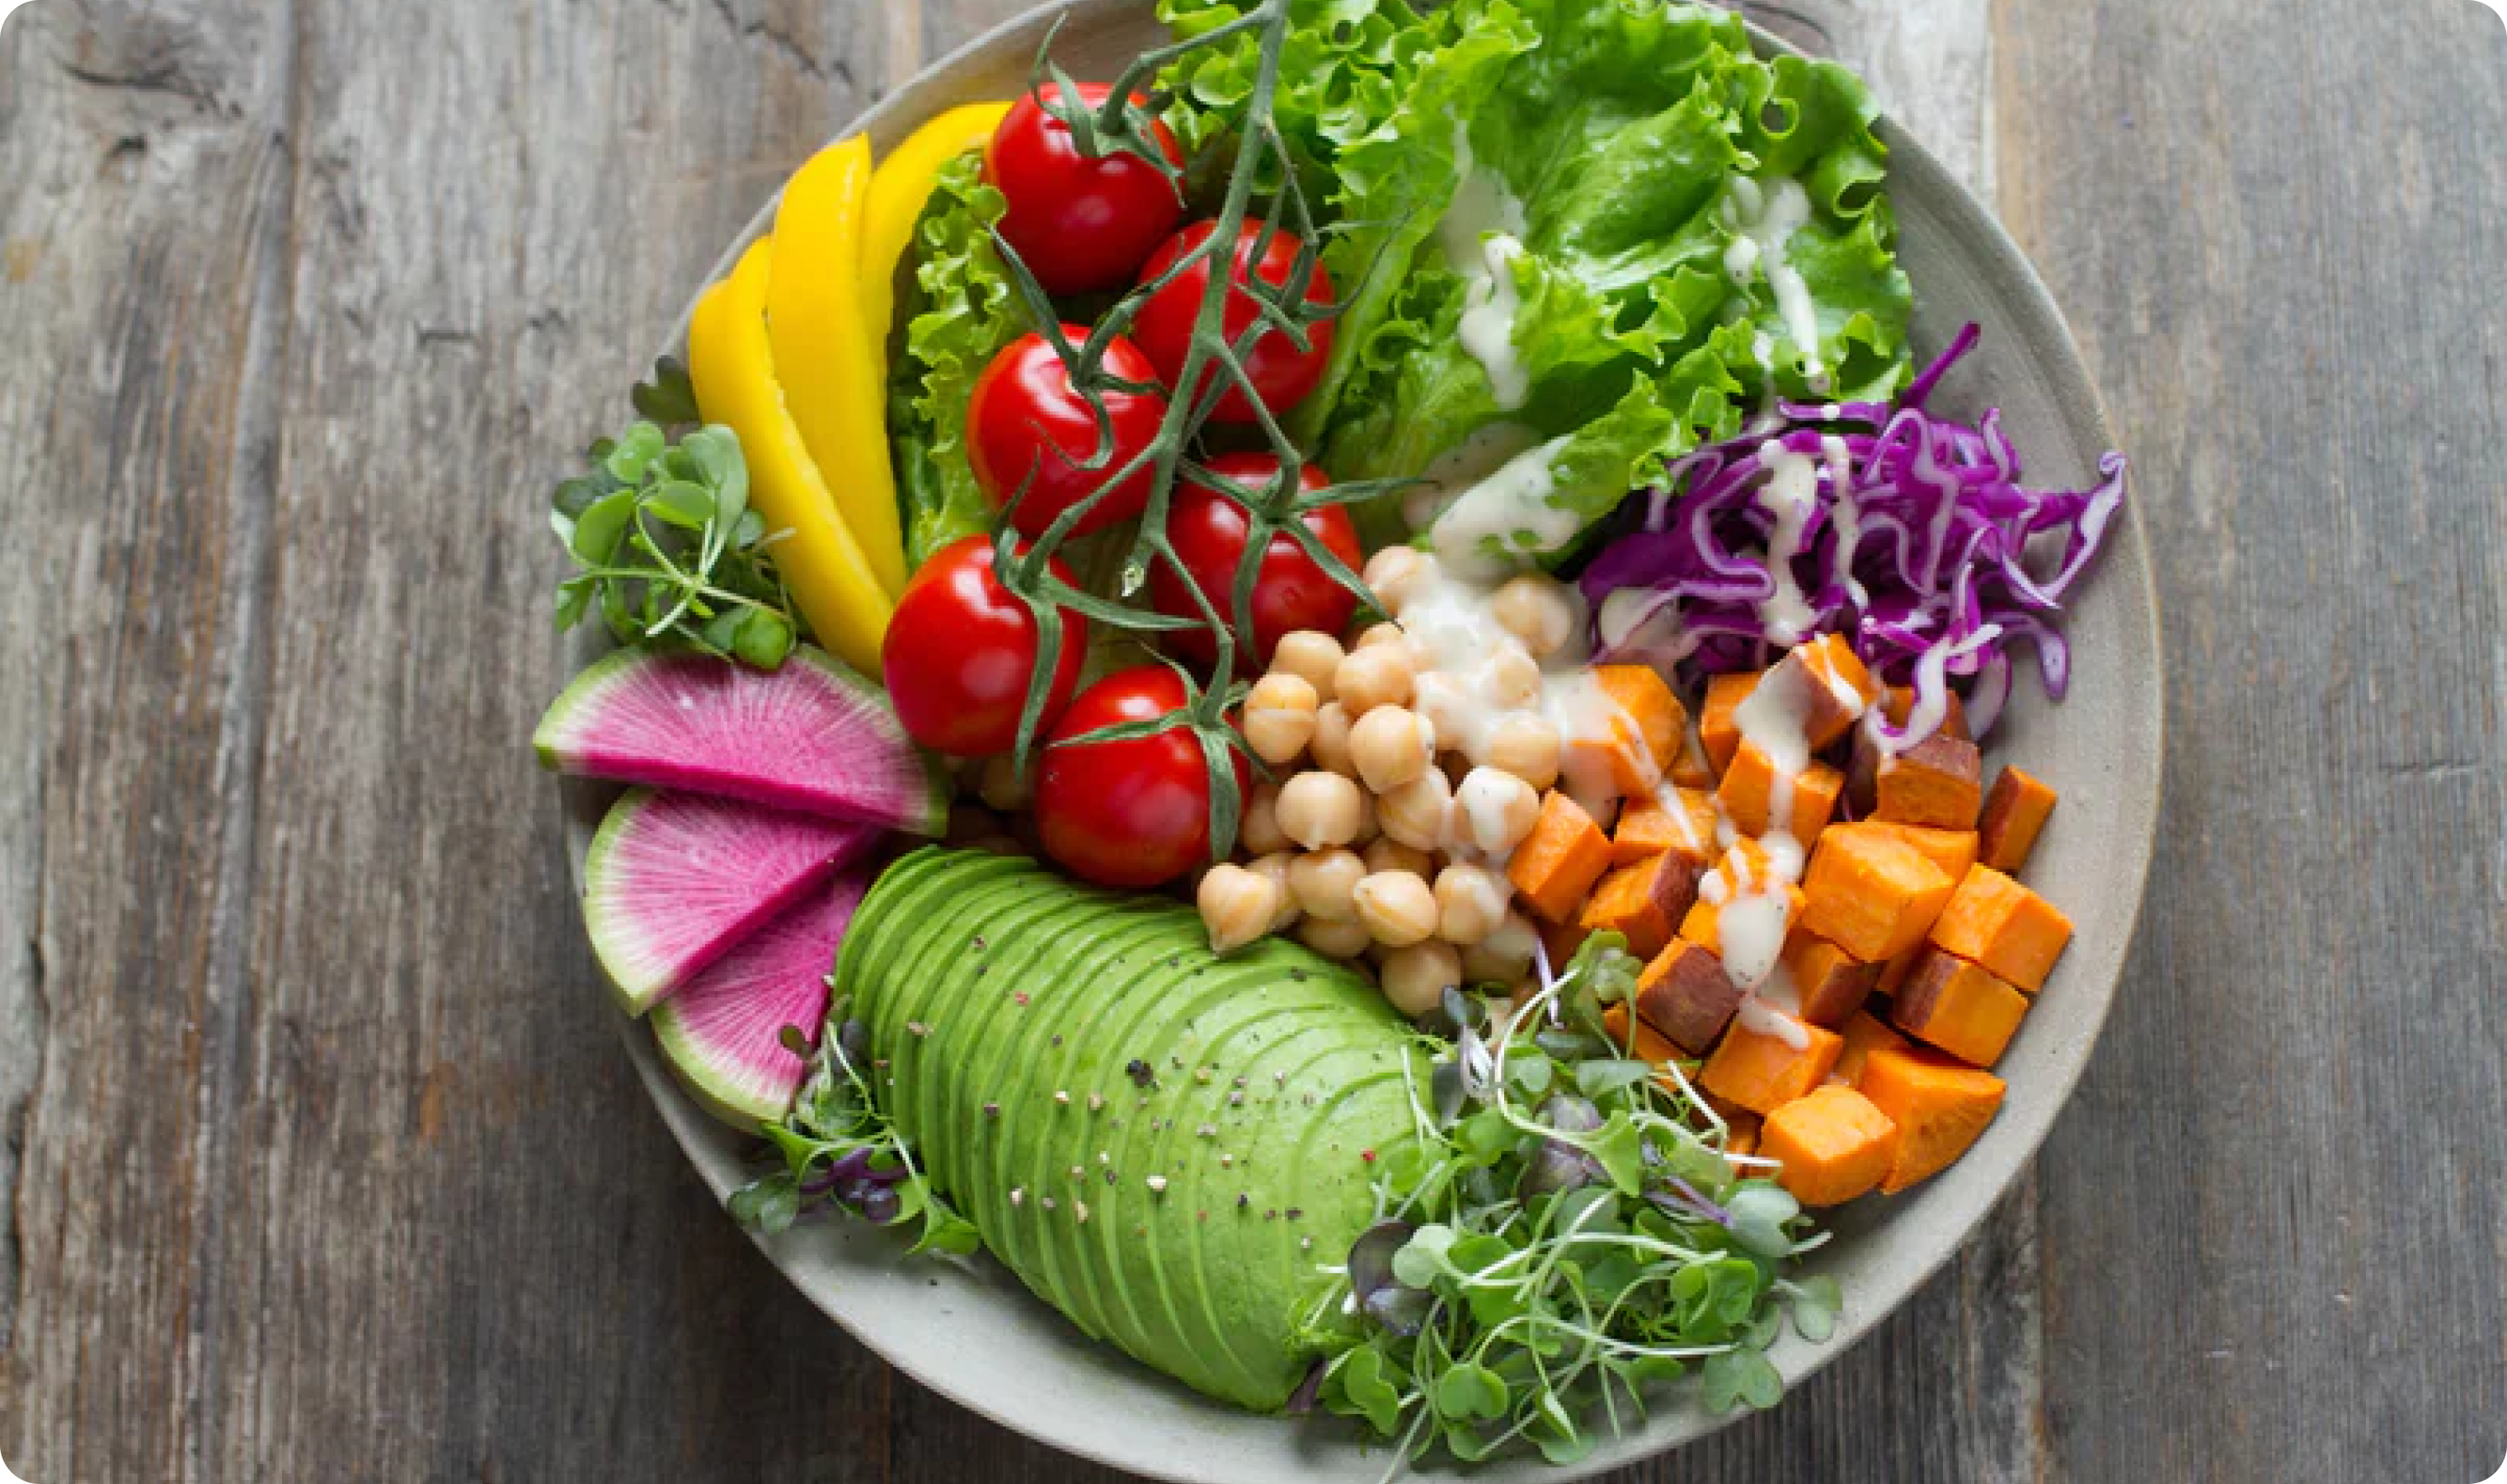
1280, 372
1126, 814
961, 650
1026, 417
1080, 225
1290, 591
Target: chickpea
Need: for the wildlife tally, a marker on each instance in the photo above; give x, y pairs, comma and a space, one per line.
1395, 573
1526, 745
1332, 939
1310, 655
1445, 705
1371, 677
1470, 903
1481, 967
1369, 828
1512, 679
1259, 830
1494, 810
1396, 907
1324, 883
1391, 746
1320, 810
1331, 745
1275, 867
1514, 941
1237, 906
1537, 610
1419, 814
1375, 634
1416, 978
1392, 856
1279, 717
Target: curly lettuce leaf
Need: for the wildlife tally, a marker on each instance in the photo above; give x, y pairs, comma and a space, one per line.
961, 312
1629, 138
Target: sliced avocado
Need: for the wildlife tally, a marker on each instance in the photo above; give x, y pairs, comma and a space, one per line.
990, 987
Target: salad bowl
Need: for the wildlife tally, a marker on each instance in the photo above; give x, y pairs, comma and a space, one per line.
972, 1333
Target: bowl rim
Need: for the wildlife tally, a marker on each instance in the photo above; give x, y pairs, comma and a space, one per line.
2043, 323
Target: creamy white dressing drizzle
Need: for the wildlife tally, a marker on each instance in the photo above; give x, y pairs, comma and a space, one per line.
1510, 507
1481, 234
1846, 514
1764, 221
1931, 691
1792, 495
1480, 453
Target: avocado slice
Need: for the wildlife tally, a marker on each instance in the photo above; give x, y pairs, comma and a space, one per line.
1202, 1127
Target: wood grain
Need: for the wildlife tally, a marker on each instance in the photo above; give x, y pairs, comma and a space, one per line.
317, 1161
2278, 231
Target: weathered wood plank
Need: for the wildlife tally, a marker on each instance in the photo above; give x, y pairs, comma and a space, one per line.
139, 435
2271, 1216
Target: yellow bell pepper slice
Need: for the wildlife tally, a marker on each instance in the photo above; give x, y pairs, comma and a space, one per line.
814, 323
732, 363
898, 191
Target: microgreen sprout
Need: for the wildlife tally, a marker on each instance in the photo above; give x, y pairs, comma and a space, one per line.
1489, 1310
840, 1154
665, 541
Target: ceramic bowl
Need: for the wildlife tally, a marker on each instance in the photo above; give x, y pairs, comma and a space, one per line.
976, 1336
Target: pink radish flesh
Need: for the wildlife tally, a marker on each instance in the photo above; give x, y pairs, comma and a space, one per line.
723, 1033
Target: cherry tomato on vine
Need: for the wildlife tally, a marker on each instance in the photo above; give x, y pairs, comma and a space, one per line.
1080, 223
1291, 590
1127, 813
962, 649
1025, 417
1280, 372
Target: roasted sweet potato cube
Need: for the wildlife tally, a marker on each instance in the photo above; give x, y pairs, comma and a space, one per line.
1704, 923
2016, 809
1863, 762
1873, 896
1863, 1033
1939, 1107
1893, 974
2003, 927
1643, 902
1830, 983
1898, 704
1559, 862
1829, 685
1631, 735
1953, 850
1764, 1069
1741, 1143
1677, 820
1560, 940
1831, 1146
1632, 1035
1749, 785
1690, 768
1932, 783
1716, 731
1960, 1008
1684, 993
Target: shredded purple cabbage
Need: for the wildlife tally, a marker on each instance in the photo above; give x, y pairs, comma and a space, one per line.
1924, 565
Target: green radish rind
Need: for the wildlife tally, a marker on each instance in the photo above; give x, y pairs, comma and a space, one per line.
984, 979
913, 793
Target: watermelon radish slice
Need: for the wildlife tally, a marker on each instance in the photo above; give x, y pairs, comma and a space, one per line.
723, 1033
673, 881
813, 737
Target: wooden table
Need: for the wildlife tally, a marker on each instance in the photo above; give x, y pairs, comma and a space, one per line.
322, 1161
